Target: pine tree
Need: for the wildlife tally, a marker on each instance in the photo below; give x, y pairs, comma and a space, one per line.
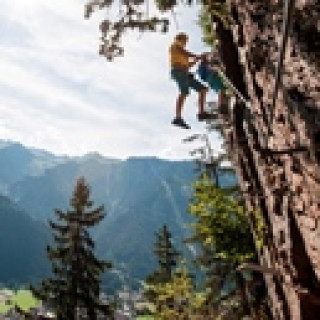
166, 255
75, 284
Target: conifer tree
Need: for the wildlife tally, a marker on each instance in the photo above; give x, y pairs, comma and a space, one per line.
166, 255
75, 283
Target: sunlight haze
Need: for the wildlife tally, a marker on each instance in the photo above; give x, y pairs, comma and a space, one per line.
58, 94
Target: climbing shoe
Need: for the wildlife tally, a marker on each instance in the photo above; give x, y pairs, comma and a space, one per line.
206, 116
179, 122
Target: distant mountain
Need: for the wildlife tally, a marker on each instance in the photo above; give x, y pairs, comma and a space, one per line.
17, 162
22, 246
39, 195
140, 194
117, 184
157, 194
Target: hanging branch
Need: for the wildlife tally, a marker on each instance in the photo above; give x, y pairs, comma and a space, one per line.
135, 15
132, 17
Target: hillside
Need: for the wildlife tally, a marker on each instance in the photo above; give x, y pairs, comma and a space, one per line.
22, 246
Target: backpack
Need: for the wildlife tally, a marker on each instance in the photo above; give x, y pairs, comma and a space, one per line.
203, 70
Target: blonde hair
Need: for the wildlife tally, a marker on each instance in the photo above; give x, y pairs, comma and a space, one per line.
181, 36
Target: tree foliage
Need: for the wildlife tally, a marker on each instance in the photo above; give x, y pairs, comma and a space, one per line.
166, 255
211, 9
174, 299
222, 232
221, 222
128, 15
76, 271
132, 15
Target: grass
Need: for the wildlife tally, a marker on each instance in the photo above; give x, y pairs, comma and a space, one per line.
22, 298
4, 308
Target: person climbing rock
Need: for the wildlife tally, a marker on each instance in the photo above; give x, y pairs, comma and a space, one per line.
181, 61
208, 74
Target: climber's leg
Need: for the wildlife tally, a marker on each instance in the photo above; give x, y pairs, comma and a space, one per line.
180, 76
202, 99
222, 98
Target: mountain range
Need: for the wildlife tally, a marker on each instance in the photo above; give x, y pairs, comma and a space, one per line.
140, 194
22, 246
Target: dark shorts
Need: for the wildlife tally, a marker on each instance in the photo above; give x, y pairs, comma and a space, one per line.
185, 80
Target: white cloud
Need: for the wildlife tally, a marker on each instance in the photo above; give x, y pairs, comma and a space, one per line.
58, 94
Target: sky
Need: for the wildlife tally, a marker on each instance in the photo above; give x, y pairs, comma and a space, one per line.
58, 94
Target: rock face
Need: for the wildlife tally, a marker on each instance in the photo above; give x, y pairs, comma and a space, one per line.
276, 146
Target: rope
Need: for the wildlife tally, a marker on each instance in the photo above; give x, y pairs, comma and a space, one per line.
288, 10
236, 91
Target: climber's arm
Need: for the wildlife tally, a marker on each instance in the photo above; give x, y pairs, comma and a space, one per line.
193, 62
186, 52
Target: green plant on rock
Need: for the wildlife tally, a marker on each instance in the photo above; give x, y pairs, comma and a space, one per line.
208, 34
260, 228
212, 9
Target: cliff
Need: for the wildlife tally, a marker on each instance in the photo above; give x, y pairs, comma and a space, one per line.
276, 146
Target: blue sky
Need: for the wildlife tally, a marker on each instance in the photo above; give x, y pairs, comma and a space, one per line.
58, 94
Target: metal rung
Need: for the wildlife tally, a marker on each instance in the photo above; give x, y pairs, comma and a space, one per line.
286, 151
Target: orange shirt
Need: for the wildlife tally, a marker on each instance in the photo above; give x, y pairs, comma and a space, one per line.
178, 58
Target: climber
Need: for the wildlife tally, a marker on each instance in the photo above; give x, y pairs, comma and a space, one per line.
181, 60
208, 73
